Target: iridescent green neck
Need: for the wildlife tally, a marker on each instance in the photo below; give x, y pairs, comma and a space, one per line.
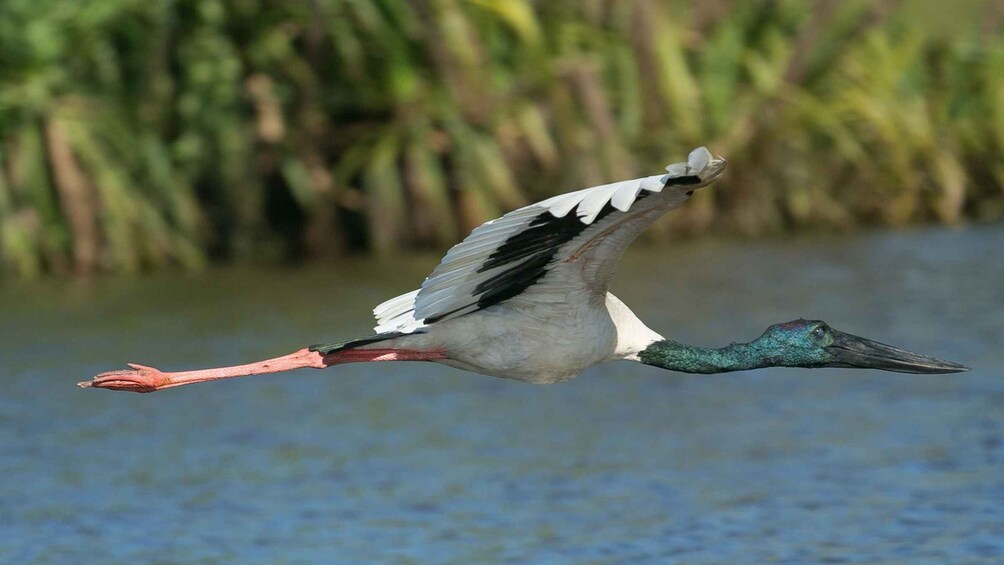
799, 343
692, 359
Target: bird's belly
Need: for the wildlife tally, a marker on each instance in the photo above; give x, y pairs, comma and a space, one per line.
510, 343
520, 361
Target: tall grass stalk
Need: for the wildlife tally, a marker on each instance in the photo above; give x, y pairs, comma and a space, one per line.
138, 135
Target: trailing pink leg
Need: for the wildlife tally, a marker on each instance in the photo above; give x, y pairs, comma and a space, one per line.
140, 378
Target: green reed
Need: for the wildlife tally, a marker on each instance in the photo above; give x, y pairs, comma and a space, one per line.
136, 135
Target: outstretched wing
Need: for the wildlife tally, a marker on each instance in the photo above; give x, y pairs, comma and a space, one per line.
569, 242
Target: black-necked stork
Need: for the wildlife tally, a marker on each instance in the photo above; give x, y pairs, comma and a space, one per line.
525, 297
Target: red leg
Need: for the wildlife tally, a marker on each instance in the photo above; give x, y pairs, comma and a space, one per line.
140, 378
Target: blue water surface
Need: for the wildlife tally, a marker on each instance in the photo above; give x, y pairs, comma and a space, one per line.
419, 463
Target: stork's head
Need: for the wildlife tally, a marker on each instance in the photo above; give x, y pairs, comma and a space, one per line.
812, 343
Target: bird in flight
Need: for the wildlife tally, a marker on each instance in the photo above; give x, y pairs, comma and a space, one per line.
525, 297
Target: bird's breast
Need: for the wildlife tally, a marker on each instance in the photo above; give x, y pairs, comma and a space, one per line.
527, 343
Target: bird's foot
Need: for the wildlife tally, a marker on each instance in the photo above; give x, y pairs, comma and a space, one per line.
137, 378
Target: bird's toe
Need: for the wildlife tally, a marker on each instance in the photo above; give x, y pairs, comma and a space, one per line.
138, 378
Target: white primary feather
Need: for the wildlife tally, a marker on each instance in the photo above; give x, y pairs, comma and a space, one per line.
395, 306
395, 313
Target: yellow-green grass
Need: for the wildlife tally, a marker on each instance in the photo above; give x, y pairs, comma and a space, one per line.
136, 135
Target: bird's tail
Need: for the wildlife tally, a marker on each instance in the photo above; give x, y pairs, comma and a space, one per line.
327, 349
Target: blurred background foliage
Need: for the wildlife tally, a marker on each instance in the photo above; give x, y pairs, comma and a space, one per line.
138, 134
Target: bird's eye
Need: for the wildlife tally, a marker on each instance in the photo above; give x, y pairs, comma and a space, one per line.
820, 331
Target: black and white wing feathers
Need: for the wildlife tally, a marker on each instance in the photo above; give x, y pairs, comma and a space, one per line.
570, 241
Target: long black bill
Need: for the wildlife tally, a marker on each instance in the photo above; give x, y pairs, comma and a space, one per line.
853, 351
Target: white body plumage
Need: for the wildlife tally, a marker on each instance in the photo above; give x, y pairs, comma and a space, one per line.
522, 340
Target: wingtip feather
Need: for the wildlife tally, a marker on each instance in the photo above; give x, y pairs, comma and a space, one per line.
700, 163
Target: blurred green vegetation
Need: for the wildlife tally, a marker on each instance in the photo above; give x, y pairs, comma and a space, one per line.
137, 134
